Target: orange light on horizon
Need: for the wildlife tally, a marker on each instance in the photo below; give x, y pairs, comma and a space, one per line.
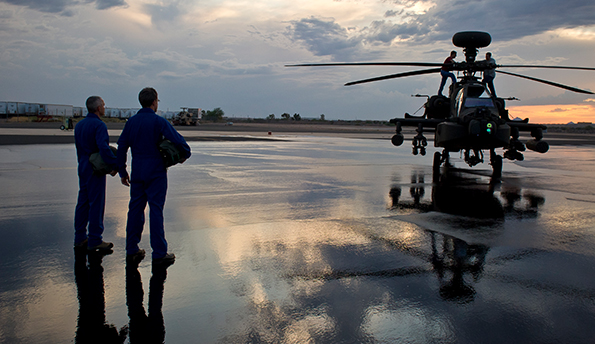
554, 114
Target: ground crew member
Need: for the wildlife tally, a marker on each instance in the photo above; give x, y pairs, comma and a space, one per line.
446, 73
142, 134
90, 136
490, 74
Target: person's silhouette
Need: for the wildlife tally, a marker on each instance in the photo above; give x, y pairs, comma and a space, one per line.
143, 328
91, 323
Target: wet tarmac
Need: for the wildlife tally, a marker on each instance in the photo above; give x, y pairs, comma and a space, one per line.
308, 240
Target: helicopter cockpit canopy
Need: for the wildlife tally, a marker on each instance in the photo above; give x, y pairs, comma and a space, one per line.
469, 99
478, 102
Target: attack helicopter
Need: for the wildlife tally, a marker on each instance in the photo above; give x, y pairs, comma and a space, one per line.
471, 119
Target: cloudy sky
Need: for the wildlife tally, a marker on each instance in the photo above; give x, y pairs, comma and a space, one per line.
231, 53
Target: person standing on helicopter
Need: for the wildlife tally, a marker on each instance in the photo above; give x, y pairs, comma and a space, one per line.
490, 74
446, 71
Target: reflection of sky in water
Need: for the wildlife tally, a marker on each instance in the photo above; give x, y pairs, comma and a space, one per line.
316, 240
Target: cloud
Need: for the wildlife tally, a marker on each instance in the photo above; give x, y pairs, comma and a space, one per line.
504, 19
412, 23
163, 12
64, 7
391, 13
564, 98
559, 110
106, 4
386, 32
49, 6
324, 37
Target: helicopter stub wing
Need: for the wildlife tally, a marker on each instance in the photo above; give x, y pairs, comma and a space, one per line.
415, 122
525, 126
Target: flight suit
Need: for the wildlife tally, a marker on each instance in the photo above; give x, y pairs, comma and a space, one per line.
148, 181
90, 136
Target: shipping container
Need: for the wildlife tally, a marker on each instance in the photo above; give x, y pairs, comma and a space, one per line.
21, 108
18, 108
78, 111
55, 110
127, 113
11, 108
112, 113
29, 109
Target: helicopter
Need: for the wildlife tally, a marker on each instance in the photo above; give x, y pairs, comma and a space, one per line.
471, 119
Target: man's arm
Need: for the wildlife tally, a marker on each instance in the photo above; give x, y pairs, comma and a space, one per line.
102, 141
123, 146
178, 140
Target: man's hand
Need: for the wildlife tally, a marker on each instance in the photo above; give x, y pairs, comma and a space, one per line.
182, 160
125, 180
113, 173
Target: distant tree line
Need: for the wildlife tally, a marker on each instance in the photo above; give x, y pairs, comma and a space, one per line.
215, 115
218, 115
286, 116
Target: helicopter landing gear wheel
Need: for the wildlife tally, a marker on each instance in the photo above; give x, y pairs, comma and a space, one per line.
496, 161
436, 167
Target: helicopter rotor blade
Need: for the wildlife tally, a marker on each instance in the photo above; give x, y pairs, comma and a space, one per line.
394, 76
569, 88
550, 67
413, 64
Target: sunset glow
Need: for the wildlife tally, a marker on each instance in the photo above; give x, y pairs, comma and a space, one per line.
554, 114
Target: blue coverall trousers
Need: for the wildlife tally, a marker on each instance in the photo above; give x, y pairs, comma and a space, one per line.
489, 81
89, 209
142, 192
446, 75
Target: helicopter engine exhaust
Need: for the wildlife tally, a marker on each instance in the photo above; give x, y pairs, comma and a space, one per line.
538, 146
397, 139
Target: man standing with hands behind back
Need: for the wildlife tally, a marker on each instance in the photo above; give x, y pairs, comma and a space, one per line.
90, 136
142, 134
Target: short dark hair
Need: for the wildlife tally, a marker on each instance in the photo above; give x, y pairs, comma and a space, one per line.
453, 52
147, 96
93, 103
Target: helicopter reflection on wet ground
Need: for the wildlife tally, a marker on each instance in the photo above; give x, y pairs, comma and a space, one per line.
308, 240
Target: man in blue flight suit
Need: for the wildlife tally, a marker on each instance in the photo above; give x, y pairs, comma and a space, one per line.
142, 133
90, 136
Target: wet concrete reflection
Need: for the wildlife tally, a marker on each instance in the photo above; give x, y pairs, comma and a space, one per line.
451, 264
145, 328
310, 240
461, 193
91, 324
